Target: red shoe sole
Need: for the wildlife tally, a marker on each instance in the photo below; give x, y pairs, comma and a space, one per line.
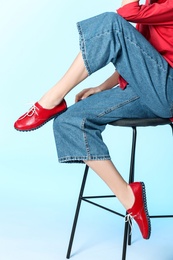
146, 209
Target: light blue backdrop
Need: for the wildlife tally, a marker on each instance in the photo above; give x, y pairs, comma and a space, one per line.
38, 41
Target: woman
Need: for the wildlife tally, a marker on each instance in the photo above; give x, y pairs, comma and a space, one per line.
143, 60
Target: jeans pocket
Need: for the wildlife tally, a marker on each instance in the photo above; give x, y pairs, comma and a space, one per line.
117, 106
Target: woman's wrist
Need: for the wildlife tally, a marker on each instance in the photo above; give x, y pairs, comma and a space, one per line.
110, 82
103, 87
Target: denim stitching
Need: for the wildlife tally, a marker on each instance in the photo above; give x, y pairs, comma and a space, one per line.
148, 55
171, 110
85, 137
128, 39
81, 159
83, 48
117, 106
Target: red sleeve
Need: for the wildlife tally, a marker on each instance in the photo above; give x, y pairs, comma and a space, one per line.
122, 82
153, 14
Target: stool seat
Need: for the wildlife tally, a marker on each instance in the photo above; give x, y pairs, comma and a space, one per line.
137, 122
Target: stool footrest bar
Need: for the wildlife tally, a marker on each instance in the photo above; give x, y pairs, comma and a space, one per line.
103, 207
161, 216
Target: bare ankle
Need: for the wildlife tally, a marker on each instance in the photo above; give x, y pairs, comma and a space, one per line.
131, 198
48, 103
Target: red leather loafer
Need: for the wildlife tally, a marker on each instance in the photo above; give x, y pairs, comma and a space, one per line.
139, 211
38, 116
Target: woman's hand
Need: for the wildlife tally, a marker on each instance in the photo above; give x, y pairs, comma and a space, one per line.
86, 93
108, 84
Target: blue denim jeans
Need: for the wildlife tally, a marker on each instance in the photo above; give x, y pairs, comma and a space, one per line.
103, 39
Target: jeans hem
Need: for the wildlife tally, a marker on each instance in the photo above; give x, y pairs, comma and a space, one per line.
81, 159
83, 48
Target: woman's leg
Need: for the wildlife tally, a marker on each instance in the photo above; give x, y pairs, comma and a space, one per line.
103, 39
78, 130
110, 38
75, 74
132, 196
53, 103
109, 174
78, 139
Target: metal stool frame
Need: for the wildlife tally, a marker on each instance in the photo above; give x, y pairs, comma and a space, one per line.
133, 123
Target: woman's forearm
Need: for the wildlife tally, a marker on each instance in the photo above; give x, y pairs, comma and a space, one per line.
110, 82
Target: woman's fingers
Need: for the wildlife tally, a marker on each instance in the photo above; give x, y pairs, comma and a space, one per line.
86, 93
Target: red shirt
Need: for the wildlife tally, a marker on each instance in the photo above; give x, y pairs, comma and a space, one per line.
155, 21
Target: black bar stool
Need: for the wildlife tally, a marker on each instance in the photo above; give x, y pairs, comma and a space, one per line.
134, 124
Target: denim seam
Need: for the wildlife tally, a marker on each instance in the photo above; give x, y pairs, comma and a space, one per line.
85, 137
117, 106
148, 55
83, 48
132, 42
103, 33
171, 110
81, 159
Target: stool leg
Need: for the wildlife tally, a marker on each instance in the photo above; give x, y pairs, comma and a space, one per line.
127, 229
133, 150
77, 212
132, 171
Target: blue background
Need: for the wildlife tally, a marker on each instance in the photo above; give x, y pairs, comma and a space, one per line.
38, 42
